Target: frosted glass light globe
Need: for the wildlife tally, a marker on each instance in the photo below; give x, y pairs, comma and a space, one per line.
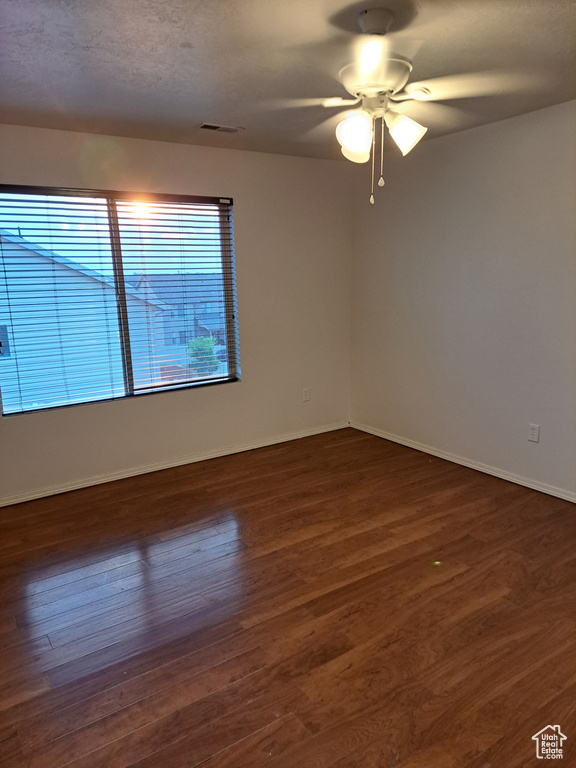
356, 157
405, 131
354, 133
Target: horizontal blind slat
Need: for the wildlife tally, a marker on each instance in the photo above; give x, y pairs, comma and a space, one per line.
59, 301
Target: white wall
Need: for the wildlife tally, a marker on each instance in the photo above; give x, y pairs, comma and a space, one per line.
464, 299
464, 305
292, 232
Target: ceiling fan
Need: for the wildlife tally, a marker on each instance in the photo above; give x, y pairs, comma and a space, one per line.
377, 80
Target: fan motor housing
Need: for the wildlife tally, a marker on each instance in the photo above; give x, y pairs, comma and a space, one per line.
390, 76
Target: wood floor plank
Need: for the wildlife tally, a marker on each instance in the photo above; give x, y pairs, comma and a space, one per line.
202, 627
338, 601
39, 731
186, 739
516, 748
18, 689
40, 622
10, 746
197, 693
256, 750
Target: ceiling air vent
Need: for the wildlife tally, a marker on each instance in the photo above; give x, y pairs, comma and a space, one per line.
223, 128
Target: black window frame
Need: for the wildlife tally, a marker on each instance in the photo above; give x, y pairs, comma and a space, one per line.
228, 273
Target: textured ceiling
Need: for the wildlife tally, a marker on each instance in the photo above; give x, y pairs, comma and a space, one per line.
156, 69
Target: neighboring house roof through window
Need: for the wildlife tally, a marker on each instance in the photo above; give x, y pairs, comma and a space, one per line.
66, 262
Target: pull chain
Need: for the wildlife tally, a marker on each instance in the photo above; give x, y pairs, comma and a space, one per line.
381, 179
372, 181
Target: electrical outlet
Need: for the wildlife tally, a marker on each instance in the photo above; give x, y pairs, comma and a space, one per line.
306, 394
534, 433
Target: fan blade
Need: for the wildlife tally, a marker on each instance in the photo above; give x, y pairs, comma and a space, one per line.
336, 102
324, 129
287, 103
433, 115
470, 85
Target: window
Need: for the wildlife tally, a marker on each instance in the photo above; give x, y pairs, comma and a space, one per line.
95, 286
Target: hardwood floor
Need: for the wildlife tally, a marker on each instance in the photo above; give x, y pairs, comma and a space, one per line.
333, 602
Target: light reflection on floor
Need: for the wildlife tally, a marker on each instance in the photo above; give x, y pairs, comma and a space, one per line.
138, 595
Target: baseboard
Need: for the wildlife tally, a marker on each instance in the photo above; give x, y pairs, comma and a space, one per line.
145, 468
535, 485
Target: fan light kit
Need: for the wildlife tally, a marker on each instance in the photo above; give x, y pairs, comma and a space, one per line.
376, 79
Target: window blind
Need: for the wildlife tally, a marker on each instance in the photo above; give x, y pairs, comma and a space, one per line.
106, 295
